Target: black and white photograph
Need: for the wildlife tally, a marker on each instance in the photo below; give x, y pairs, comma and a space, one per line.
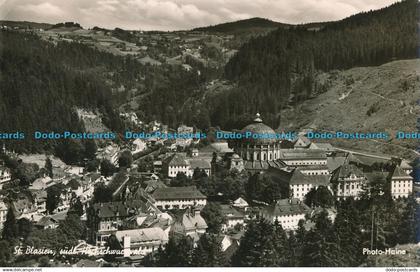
139, 134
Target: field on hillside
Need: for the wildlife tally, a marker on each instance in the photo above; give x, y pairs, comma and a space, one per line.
366, 99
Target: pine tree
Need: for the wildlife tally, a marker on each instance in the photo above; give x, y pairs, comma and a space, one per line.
409, 223
10, 227
258, 246
208, 252
320, 247
348, 227
177, 253
48, 166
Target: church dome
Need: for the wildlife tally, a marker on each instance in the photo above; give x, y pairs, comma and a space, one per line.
259, 129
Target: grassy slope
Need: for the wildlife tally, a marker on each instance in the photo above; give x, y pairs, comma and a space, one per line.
389, 91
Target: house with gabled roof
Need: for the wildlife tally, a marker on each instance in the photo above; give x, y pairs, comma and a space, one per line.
348, 181
232, 217
288, 212
188, 222
140, 242
167, 198
401, 183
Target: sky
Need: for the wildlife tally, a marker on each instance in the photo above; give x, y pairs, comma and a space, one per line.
180, 14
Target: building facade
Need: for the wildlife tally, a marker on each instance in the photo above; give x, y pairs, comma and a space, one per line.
401, 183
178, 198
288, 212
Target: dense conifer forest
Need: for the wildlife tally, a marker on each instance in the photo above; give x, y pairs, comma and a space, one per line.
277, 69
42, 83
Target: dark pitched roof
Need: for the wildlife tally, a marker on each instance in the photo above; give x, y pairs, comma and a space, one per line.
111, 209
294, 176
399, 173
346, 170
303, 140
46, 221
179, 159
295, 154
367, 160
230, 212
199, 163
263, 165
170, 193
334, 162
371, 176
313, 167
287, 207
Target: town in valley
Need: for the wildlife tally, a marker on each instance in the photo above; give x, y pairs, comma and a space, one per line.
125, 200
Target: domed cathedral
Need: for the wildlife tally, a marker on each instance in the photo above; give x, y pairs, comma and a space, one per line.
258, 153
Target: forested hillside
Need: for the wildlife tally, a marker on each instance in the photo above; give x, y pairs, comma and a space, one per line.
278, 69
242, 26
42, 83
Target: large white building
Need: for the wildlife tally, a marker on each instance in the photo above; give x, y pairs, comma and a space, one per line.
178, 198
288, 212
140, 242
179, 163
348, 181
299, 183
401, 183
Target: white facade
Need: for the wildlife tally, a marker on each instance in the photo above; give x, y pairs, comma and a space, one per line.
314, 172
173, 170
299, 191
288, 212
401, 188
350, 187
187, 167
288, 222
297, 162
140, 242
231, 223
169, 204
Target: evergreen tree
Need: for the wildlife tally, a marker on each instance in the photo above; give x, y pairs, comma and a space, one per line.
263, 244
53, 197
10, 227
177, 253
208, 252
113, 244
102, 194
407, 230
213, 217
48, 167
107, 168
319, 197
76, 206
5, 253
348, 227
320, 248
24, 228
125, 159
